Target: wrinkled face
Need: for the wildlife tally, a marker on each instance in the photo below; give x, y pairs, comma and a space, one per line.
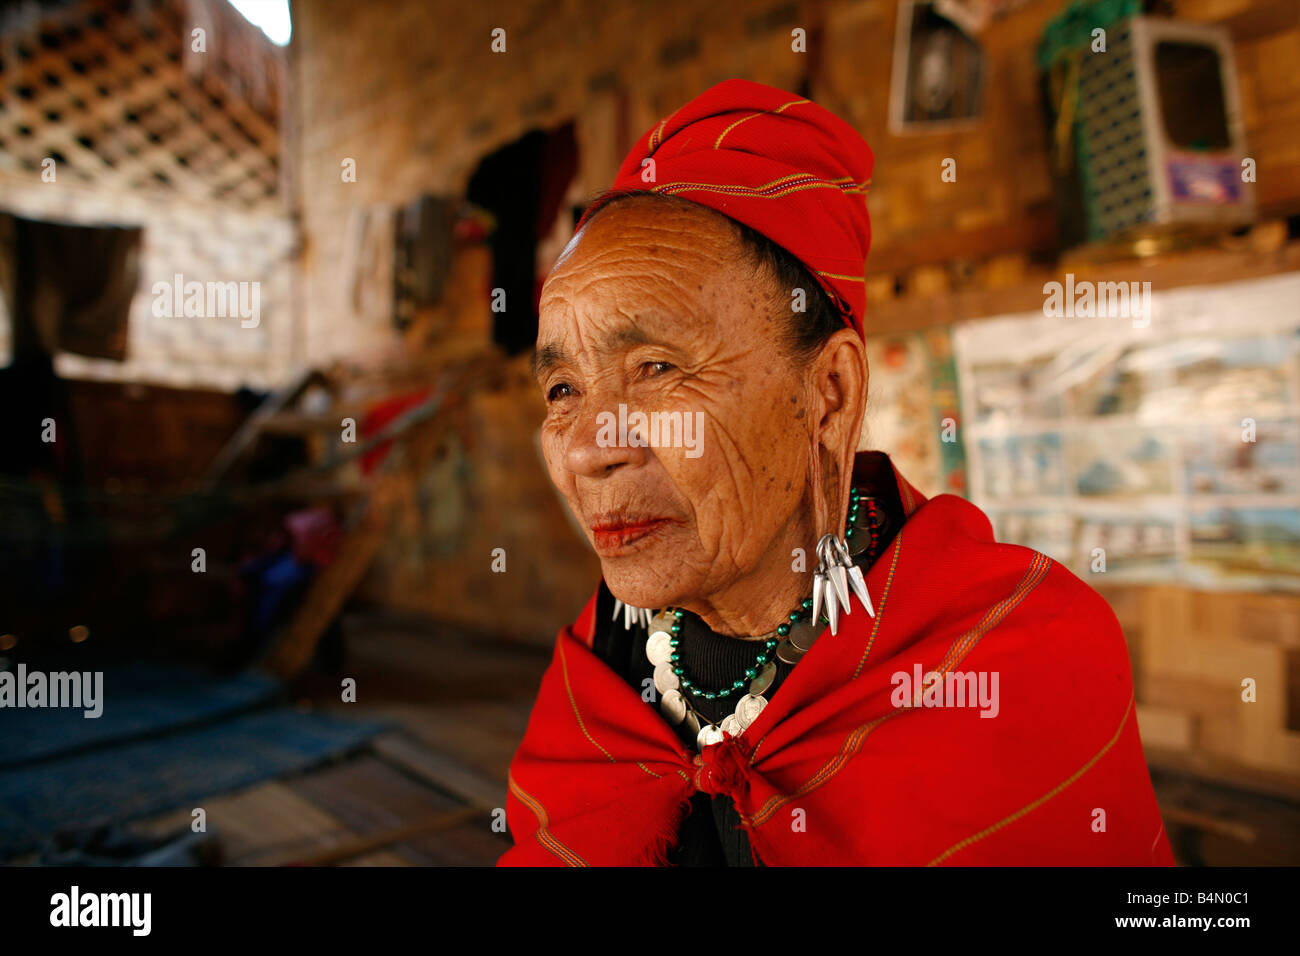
656, 312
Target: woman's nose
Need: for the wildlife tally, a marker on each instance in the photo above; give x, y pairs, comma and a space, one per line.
601, 440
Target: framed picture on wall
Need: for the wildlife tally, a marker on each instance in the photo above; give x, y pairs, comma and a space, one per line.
939, 71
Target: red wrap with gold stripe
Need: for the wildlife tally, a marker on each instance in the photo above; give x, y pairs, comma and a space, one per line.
832, 772
775, 161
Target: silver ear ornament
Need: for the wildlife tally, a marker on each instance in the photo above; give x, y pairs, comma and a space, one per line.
835, 575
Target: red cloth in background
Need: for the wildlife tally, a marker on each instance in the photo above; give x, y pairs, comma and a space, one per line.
601, 778
314, 535
377, 418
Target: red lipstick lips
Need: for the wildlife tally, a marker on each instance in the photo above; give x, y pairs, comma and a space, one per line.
612, 533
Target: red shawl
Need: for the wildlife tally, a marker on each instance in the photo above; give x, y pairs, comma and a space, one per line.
832, 772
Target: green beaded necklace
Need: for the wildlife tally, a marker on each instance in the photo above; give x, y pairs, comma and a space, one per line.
750, 672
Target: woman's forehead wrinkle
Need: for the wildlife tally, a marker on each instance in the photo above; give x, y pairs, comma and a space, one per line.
676, 244
632, 277
640, 301
643, 285
640, 267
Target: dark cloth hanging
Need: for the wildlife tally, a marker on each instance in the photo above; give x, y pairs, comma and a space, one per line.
522, 185
559, 166
423, 260
70, 287
67, 288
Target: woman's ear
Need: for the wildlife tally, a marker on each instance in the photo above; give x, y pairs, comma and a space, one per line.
819, 463
839, 390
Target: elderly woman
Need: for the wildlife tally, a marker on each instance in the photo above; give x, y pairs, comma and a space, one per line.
793, 656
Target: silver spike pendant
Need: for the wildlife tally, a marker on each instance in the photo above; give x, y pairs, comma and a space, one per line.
835, 575
856, 579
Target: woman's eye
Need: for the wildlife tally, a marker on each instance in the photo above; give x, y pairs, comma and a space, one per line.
559, 390
657, 368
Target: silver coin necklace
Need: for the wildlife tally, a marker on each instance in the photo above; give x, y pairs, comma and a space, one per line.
671, 679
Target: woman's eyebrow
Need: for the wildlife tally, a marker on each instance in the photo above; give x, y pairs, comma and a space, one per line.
626, 336
548, 356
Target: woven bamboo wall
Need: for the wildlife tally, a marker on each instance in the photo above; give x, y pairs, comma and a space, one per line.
145, 130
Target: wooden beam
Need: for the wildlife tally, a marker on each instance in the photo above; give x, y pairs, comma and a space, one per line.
1263, 18
1027, 234
1200, 267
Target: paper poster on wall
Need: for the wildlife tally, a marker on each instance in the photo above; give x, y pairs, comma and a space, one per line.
1166, 449
913, 409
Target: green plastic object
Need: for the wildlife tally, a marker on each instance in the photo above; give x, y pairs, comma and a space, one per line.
1071, 29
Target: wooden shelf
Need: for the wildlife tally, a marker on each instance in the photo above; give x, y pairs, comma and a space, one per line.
1169, 271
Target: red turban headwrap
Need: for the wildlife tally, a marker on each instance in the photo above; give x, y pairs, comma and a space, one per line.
776, 162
